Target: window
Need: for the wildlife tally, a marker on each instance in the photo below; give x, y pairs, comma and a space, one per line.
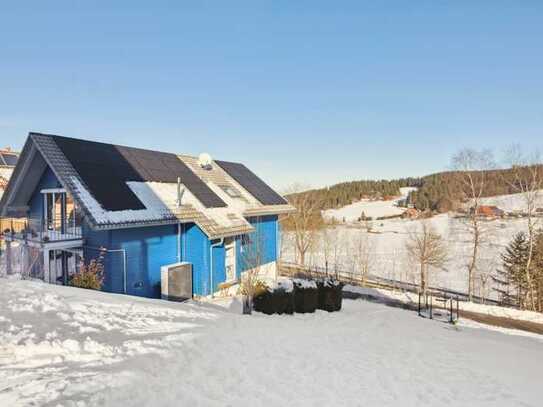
231, 191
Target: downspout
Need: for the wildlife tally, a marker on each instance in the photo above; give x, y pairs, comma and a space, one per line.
219, 243
179, 242
277, 248
123, 251
178, 206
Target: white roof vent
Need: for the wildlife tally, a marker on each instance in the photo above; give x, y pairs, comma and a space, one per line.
205, 161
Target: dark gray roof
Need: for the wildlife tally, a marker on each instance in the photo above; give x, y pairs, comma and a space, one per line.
254, 185
105, 169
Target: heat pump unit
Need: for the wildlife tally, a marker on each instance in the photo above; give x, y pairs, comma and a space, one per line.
176, 281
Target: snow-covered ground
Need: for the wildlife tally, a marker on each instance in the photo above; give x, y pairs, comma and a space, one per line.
492, 310
372, 209
63, 346
513, 202
387, 255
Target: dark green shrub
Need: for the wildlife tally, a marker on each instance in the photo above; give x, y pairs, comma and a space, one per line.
330, 295
306, 296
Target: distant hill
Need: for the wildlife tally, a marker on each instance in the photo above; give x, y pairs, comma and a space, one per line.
442, 191
345, 193
439, 192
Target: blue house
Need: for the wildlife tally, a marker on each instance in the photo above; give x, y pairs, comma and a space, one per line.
138, 210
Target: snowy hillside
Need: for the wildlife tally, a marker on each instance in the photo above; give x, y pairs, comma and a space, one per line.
71, 347
388, 256
513, 202
372, 209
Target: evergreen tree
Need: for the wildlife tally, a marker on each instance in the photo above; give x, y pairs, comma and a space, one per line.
510, 279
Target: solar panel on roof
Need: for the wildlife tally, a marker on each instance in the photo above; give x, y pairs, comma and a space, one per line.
104, 171
10, 159
250, 181
167, 167
106, 168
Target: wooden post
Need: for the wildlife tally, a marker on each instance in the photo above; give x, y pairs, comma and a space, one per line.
451, 308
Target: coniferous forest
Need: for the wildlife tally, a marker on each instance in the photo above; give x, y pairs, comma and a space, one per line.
438, 192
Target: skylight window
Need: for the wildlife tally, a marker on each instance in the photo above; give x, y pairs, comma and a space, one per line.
231, 191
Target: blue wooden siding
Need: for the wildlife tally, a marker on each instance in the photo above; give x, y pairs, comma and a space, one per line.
47, 180
265, 237
195, 250
113, 263
147, 250
219, 268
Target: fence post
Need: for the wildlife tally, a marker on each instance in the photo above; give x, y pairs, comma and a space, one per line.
431, 310
451, 308
457, 313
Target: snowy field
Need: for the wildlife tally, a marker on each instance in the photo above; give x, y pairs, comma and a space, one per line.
514, 202
372, 209
62, 346
387, 256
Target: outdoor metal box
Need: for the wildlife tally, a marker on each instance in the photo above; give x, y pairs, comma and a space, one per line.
176, 281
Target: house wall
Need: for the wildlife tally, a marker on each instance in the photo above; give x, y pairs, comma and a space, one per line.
264, 241
144, 249
197, 249
48, 180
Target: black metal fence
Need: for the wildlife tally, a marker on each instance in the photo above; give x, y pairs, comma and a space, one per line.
371, 280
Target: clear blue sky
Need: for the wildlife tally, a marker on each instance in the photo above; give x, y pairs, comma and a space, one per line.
307, 91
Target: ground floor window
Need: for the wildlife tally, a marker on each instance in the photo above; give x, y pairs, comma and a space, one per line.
230, 258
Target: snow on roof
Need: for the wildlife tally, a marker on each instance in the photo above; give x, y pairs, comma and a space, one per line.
155, 208
160, 201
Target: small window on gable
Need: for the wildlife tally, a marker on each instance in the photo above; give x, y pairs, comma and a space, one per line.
231, 191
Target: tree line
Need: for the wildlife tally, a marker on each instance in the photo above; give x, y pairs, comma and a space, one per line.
345, 193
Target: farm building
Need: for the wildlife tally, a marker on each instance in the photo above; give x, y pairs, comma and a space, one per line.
489, 211
140, 210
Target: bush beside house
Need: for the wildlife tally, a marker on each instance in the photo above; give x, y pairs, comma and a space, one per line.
300, 296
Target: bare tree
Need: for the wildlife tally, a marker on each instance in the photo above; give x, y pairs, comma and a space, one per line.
483, 277
526, 178
472, 168
306, 222
251, 261
329, 243
426, 248
363, 255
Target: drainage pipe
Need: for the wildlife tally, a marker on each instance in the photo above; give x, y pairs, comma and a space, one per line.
219, 243
123, 251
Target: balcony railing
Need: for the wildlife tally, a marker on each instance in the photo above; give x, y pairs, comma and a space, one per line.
37, 230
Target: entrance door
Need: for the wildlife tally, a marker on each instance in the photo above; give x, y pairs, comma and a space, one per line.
230, 259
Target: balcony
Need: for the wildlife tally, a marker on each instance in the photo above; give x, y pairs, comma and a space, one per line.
37, 232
